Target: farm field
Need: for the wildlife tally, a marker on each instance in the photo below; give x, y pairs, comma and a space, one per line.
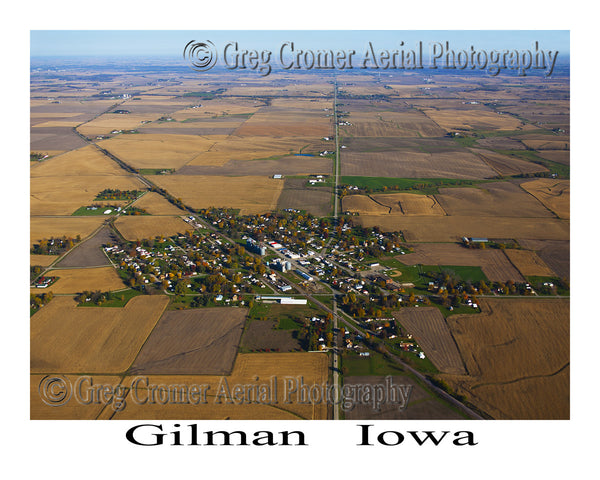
68, 339
428, 327
143, 226
296, 194
286, 165
390, 124
75, 280
560, 156
493, 263
554, 253
453, 228
273, 121
263, 334
249, 369
517, 355
84, 161
249, 194
42, 260
197, 341
529, 263
415, 164
156, 204
89, 253
392, 204
507, 165
472, 120
47, 227
554, 194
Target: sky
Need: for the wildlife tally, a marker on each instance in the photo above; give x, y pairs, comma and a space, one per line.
171, 43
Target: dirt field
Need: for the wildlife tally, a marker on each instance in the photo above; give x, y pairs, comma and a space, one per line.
250, 194
156, 204
554, 194
288, 165
428, 327
414, 164
63, 195
139, 227
421, 406
528, 263
453, 228
554, 253
84, 161
89, 253
493, 263
274, 121
548, 143
390, 124
42, 260
66, 338
295, 194
249, 369
473, 120
47, 227
517, 356
392, 204
501, 143
560, 156
108, 122
503, 199
75, 280
263, 334
202, 341
506, 165
158, 151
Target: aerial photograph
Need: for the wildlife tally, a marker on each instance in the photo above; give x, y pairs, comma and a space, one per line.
292, 225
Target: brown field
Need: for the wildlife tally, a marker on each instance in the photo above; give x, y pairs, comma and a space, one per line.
54, 138
422, 405
493, 263
517, 355
472, 120
507, 165
415, 164
201, 341
84, 161
158, 151
257, 148
392, 204
66, 338
156, 204
428, 327
46, 227
391, 124
501, 143
145, 226
264, 334
296, 194
250, 194
90, 253
74, 280
73, 409
249, 369
453, 228
42, 260
218, 107
528, 263
498, 198
554, 194
108, 122
273, 121
560, 156
550, 143
63, 195
554, 253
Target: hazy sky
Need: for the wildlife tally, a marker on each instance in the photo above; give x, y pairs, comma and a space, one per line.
171, 43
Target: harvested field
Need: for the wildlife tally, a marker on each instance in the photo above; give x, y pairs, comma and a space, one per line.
274, 121
500, 143
156, 204
264, 335
384, 144
288, 165
108, 122
414, 164
249, 369
139, 227
391, 124
517, 355
428, 327
528, 263
202, 341
84, 161
89, 253
158, 151
72, 410
63, 195
75, 280
493, 263
507, 165
258, 148
550, 143
250, 194
295, 194
392, 204
554, 194
42, 260
554, 253
499, 198
68, 339
453, 228
47, 227
421, 405
54, 138
472, 120
559, 156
